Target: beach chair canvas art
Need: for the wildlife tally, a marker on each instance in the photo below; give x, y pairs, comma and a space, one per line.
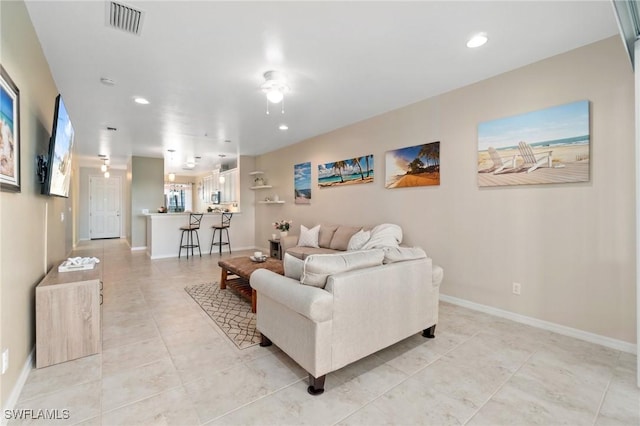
551, 145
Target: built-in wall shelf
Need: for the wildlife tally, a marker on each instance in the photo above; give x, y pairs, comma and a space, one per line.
271, 202
261, 187
257, 172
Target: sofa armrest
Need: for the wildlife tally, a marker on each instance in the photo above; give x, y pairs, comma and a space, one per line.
312, 302
287, 242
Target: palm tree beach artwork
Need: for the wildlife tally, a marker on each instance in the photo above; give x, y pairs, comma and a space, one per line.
346, 172
417, 165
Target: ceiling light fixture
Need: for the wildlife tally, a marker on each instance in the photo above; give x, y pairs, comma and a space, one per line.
477, 40
140, 100
172, 176
275, 87
283, 127
105, 161
106, 174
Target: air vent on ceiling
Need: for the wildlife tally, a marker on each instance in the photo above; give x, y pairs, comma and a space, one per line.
125, 18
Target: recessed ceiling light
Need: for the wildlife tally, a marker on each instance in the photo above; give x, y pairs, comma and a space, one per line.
477, 40
283, 127
112, 129
227, 140
140, 100
221, 155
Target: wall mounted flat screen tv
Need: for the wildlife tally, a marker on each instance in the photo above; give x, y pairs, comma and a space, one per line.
58, 178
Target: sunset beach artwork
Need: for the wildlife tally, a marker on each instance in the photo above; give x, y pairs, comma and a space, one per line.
417, 165
545, 146
302, 183
346, 172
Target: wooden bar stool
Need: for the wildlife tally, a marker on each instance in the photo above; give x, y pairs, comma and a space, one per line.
225, 223
190, 229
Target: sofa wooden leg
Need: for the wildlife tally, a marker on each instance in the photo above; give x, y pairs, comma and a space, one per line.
264, 340
430, 332
316, 384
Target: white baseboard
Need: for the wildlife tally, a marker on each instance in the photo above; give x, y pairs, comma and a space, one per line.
138, 248
619, 345
17, 388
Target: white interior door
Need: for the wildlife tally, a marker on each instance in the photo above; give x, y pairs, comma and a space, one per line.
104, 210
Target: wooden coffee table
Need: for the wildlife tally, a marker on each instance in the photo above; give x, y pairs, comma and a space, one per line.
242, 268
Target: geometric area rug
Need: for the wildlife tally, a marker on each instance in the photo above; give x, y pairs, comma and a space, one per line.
230, 312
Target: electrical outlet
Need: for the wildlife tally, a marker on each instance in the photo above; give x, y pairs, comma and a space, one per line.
516, 288
5, 361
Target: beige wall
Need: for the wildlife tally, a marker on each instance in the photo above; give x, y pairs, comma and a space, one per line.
33, 237
571, 246
147, 192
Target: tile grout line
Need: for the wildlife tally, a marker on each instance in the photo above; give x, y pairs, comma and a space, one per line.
604, 393
409, 377
500, 387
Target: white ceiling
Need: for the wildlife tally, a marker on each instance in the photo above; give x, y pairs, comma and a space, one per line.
200, 64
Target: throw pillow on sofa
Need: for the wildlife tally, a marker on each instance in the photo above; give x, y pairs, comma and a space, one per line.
358, 240
309, 237
318, 267
384, 235
341, 237
292, 266
326, 234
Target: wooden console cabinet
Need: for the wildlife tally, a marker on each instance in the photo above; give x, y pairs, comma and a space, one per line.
68, 317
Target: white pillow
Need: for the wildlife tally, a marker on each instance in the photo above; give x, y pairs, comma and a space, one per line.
318, 267
384, 235
358, 240
292, 266
309, 237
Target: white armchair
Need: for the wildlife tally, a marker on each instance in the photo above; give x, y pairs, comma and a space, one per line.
357, 313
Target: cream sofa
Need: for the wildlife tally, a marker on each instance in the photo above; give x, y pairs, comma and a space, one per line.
365, 307
331, 239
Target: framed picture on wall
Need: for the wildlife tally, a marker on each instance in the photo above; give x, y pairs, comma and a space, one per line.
417, 165
9, 133
302, 183
346, 172
550, 145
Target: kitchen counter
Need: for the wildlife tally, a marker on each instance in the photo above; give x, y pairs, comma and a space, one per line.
163, 232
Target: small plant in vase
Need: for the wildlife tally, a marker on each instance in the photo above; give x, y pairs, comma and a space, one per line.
283, 226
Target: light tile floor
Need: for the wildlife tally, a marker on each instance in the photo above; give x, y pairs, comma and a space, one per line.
164, 361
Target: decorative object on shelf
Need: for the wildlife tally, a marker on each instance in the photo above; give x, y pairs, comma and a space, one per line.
276, 198
78, 264
417, 165
346, 172
10, 124
275, 87
259, 181
162, 209
545, 146
209, 209
302, 183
